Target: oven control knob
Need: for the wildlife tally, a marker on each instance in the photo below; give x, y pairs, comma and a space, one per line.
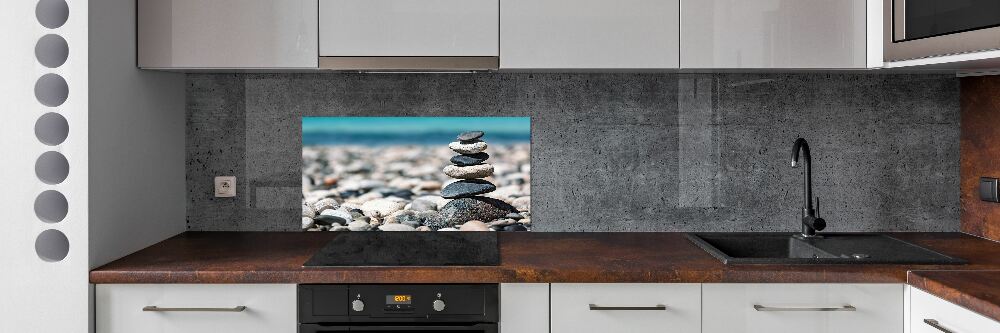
438, 305
358, 305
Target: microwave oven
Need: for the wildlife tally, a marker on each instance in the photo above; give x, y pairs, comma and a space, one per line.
915, 29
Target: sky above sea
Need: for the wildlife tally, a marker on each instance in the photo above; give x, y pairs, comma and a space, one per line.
383, 131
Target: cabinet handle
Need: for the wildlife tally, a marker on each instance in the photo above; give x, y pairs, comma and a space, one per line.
595, 307
759, 307
935, 324
159, 309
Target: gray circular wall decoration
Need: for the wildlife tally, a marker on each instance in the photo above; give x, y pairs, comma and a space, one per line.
51, 129
52, 167
51, 50
51, 206
52, 13
51, 90
52, 245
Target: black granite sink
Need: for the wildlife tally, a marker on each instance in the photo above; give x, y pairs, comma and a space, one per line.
833, 248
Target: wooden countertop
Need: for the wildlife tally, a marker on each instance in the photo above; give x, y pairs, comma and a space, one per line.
277, 257
978, 291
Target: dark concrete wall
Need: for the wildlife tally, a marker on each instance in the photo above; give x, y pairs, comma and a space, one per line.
616, 152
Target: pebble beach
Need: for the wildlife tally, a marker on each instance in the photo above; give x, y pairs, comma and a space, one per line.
465, 185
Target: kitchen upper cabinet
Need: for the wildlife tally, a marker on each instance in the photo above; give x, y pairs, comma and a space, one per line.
589, 34
779, 34
192, 34
196, 308
626, 307
509, 34
803, 308
930, 314
406, 28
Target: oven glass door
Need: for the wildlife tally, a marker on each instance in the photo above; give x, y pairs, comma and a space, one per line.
474, 328
931, 18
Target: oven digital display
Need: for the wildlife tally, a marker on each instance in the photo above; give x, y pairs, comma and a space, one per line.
398, 299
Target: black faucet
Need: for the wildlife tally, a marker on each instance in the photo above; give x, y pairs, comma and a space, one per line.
810, 221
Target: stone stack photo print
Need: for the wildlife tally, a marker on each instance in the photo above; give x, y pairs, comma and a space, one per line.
416, 173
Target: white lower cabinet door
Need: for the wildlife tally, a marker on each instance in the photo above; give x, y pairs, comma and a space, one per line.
802, 308
625, 307
524, 308
930, 314
196, 308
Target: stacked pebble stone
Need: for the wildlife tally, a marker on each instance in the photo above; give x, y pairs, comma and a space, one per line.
469, 209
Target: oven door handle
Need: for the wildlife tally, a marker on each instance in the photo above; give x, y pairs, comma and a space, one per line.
314, 328
485, 328
402, 327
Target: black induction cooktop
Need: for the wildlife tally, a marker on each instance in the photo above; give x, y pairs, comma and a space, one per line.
399, 248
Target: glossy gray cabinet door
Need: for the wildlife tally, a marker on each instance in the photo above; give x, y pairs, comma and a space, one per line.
775, 34
589, 34
409, 28
239, 34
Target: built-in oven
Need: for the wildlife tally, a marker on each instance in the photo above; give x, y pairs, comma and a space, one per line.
388, 308
916, 29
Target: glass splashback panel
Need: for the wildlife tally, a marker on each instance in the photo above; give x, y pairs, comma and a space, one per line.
416, 173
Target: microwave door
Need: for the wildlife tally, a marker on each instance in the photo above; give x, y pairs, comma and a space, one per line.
916, 19
915, 29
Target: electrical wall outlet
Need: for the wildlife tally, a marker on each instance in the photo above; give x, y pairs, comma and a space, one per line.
225, 187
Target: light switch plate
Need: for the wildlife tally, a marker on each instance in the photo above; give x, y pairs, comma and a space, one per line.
225, 186
988, 189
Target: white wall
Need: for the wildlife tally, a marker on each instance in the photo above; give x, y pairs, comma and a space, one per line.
137, 186
124, 188
37, 295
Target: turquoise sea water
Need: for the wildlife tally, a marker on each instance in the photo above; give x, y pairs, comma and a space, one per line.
380, 131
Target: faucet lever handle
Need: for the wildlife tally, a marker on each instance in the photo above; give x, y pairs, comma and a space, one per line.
817, 206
